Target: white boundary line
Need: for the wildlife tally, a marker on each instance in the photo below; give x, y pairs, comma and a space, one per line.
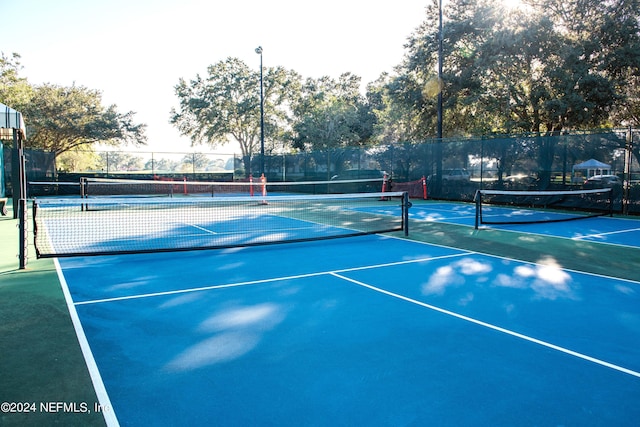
451, 220
197, 227
257, 282
103, 397
575, 239
628, 230
493, 327
461, 252
470, 252
101, 392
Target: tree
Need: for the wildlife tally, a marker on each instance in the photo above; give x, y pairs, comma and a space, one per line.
162, 165
119, 161
619, 57
394, 120
332, 114
408, 99
226, 104
554, 66
15, 91
195, 162
60, 119
78, 160
558, 65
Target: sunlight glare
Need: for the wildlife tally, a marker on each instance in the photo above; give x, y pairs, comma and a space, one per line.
513, 4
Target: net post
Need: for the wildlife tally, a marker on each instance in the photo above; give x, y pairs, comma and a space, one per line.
22, 215
628, 158
34, 212
251, 185
478, 199
424, 187
385, 177
611, 202
405, 212
83, 192
263, 181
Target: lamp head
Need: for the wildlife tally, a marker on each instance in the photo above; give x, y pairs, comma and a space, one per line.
259, 50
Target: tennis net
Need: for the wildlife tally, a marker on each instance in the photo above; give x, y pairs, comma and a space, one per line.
417, 189
102, 226
528, 207
52, 188
106, 187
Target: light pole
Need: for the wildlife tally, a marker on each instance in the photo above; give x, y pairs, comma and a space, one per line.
259, 52
438, 183
440, 83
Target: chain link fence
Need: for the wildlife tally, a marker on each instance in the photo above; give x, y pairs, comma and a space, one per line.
453, 168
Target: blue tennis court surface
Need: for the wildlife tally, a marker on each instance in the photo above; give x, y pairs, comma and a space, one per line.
369, 330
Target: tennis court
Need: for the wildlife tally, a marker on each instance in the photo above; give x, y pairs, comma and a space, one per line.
368, 330
612, 230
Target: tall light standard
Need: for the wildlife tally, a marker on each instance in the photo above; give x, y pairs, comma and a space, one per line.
440, 83
259, 52
438, 183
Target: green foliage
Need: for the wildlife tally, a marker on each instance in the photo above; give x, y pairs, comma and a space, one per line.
196, 161
78, 160
332, 114
60, 119
226, 104
557, 65
162, 165
222, 104
15, 91
552, 67
119, 161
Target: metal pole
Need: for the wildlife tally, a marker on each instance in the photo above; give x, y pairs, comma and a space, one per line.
628, 158
478, 199
259, 52
481, 161
22, 200
440, 85
438, 182
405, 212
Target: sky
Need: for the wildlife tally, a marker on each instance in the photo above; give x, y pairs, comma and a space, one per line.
135, 51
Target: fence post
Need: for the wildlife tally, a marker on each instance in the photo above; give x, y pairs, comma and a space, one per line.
628, 158
22, 199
